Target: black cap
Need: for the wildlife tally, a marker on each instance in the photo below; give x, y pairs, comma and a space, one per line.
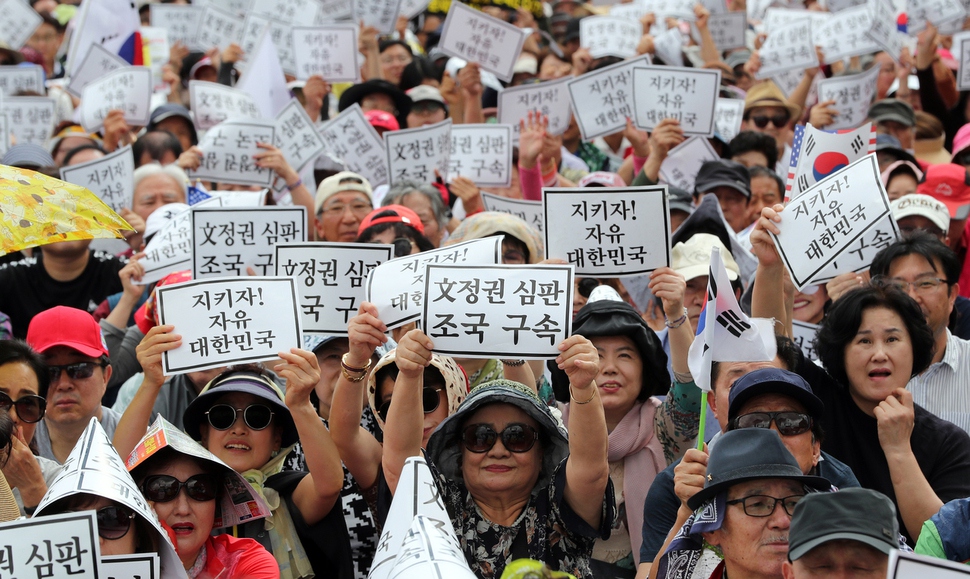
750, 454
723, 173
773, 381
357, 92
854, 514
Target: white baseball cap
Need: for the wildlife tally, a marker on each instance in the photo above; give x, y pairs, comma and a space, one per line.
921, 205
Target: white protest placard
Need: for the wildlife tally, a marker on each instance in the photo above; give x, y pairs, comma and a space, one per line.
610, 233
477, 37
111, 177
498, 310
859, 255
238, 7
15, 78
757, 8
280, 33
414, 154
352, 140
19, 22
381, 14
816, 154
727, 29
212, 103
430, 549
610, 36
483, 153
411, 8
51, 546
396, 287
683, 161
883, 29
679, 9
30, 119
668, 47
852, 95
181, 21
528, 211
776, 17
229, 321
633, 11
144, 566
4, 133
228, 150
330, 280
330, 11
296, 137
602, 100
244, 199
961, 50
170, 249
845, 34
824, 221
787, 81
227, 241
417, 494
127, 89
322, 50
787, 48
98, 62
218, 28
938, 12
804, 338
728, 114
905, 565
840, 5
288, 12
94, 467
550, 98
685, 94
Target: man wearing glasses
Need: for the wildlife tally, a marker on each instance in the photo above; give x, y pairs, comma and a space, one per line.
77, 359
342, 202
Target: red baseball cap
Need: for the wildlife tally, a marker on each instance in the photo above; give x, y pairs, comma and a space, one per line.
64, 326
948, 183
382, 120
397, 214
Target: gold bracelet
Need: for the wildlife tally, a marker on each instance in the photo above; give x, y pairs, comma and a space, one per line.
348, 370
587, 401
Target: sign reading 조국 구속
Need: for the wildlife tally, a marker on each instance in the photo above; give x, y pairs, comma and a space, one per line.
227, 241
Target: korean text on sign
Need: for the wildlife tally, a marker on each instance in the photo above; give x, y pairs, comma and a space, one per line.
610, 36
603, 99
323, 51
396, 287
98, 62
330, 280
15, 79
351, 139
498, 310
229, 321
30, 119
228, 150
227, 241
127, 89
550, 98
414, 154
296, 137
477, 37
528, 211
483, 153
181, 21
213, 103
687, 95
852, 95
63, 545
19, 22
613, 232
111, 177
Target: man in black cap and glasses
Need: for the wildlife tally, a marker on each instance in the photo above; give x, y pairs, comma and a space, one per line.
752, 486
848, 534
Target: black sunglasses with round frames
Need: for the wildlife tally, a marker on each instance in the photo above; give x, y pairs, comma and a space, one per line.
430, 399
223, 416
788, 423
162, 488
516, 437
30, 408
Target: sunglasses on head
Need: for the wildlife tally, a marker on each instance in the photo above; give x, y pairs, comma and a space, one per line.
30, 408
114, 522
789, 423
162, 488
516, 437
223, 416
429, 397
779, 120
78, 371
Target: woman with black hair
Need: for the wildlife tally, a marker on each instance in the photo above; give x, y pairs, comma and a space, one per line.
395, 225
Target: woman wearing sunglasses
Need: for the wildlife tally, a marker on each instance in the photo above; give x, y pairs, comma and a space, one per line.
188, 491
395, 225
120, 529
244, 419
514, 486
23, 383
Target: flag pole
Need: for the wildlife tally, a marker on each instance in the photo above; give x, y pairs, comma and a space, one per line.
703, 423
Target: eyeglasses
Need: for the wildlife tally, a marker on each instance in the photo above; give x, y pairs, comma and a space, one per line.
358, 209
162, 488
921, 286
114, 522
30, 408
763, 505
779, 120
789, 423
79, 371
429, 398
516, 437
223, 416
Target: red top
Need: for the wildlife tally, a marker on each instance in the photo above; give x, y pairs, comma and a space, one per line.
228, 556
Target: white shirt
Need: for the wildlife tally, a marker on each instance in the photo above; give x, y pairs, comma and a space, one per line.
944, 388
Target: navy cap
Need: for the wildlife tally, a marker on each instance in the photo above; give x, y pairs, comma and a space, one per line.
773, 381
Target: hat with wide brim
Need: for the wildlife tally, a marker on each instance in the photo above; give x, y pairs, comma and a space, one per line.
247, 383
445, 448
357, 92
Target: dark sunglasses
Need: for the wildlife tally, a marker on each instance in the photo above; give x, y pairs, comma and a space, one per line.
78, 371
479, 438
30, 408
162, 488
114, 522
256, 416
789, 423
429, 397
402, 246
779, 120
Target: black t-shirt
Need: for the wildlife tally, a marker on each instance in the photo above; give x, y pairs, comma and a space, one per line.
941, 448
26, 289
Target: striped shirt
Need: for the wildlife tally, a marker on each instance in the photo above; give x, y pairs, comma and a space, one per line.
944, 388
